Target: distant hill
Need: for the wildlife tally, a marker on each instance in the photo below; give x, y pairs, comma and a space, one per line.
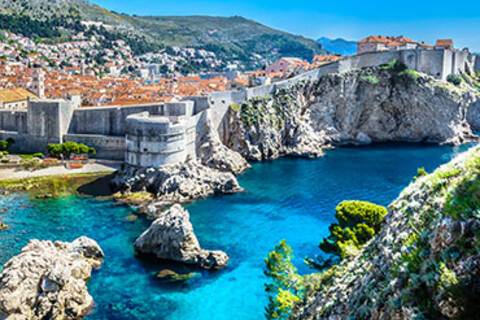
338, 46
231, 38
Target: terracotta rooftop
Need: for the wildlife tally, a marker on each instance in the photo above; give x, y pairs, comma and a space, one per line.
387, 40
445, 43
16, 94
328, 58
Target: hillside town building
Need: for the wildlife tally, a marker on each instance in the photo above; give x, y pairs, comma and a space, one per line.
387, 43
284, 65
15, 99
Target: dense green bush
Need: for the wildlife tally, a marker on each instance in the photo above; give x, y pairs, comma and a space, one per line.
68, 148
6, 144
358, 222
421, 172
454, 79
395, 66
410, 74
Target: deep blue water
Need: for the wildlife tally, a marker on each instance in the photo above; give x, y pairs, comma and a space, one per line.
292, 199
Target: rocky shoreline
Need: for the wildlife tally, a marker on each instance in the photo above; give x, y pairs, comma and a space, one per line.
177, 183
47, 280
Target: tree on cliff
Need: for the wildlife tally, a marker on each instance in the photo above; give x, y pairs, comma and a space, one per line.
286, 287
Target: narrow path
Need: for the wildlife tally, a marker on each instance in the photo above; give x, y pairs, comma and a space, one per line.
97, 167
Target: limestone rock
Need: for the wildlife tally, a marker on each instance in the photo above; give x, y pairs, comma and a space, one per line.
265, 129
363, 138
47, 280
173, 277
171, 237
177, 183
214, 154
339, 109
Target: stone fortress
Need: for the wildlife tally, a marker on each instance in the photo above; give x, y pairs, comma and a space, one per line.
154, 135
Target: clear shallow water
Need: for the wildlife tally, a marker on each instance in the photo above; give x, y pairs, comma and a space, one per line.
291, 199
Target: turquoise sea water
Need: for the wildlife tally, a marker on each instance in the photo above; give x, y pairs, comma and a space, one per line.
292, 199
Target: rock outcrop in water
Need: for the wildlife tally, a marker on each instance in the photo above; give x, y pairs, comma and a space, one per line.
171, 237
424, 264
3, 226
48, 280
379, 104
178, 183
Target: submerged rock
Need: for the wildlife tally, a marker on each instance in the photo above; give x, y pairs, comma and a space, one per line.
3, 226
47, 280
171, 237
173, 277
177, 183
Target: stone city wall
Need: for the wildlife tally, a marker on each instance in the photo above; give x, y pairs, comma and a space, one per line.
44, 122
13, 120
438, 63
109, 121
105, 128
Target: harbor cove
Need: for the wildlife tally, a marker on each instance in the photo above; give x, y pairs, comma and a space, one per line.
291, 199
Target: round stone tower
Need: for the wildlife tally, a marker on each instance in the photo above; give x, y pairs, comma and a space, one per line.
155, 141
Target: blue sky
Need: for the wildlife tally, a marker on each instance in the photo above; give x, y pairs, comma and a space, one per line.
350, 19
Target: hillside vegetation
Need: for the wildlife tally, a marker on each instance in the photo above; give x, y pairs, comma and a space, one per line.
231, 38
423, 264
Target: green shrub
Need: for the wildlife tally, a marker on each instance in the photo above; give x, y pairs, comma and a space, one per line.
455, 79
286, 287
358, 222
38, 155
3, 145
371, 79
55, 150
68, 148
235, 107
394, 66
421, 172
410, 74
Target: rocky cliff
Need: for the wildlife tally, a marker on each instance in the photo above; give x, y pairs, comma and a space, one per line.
424, 264
378, 104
